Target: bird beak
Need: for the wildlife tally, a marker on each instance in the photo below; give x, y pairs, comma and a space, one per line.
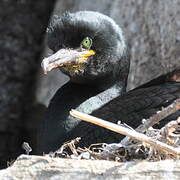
65, 57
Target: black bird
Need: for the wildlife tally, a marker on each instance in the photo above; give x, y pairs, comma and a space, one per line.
91, 49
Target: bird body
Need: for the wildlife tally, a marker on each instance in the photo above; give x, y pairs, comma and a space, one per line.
98, 77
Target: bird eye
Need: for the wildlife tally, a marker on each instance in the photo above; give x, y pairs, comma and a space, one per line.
86, 43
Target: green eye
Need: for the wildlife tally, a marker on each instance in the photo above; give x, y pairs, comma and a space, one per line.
86, 43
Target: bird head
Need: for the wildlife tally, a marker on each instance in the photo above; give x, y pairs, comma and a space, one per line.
88, 46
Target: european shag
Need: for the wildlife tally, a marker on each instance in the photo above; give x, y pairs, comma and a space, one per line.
91, 49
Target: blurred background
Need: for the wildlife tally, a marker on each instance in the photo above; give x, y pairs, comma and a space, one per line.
152, 29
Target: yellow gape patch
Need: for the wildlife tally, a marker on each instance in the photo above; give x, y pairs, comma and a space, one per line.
73, 68
80, 62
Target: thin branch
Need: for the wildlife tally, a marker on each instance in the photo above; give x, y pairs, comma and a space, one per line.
168, 131
154, 119
125, 131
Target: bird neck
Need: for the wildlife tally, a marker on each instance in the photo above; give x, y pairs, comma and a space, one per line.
100, 99
100, 83
89, 103
84, 98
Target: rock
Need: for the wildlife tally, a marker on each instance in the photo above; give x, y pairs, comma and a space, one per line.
39, 167
152, 29
23, 25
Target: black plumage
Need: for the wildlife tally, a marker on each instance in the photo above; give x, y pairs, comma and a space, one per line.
98, 85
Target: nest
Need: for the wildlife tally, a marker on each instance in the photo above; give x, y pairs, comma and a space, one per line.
144, 142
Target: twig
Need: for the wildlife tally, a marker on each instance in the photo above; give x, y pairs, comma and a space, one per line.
71, 145
172, 108
125, 131
26, 147
168, 131
154, 119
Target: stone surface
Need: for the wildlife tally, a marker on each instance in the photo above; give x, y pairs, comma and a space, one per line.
23, 25
42, 168
152, 29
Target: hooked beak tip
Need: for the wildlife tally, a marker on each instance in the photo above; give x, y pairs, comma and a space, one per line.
44, 65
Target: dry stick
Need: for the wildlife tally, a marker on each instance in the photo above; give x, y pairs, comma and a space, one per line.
125, 131
172, 108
